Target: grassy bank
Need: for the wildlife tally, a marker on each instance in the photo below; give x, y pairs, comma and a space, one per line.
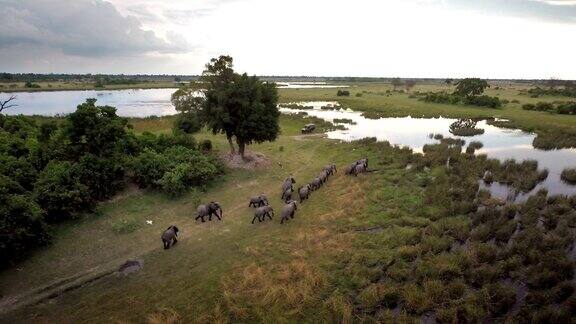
374, 99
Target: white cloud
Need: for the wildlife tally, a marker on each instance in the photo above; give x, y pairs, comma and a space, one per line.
407, 38
80, 28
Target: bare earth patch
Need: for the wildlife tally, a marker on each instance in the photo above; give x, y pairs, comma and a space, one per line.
252, 160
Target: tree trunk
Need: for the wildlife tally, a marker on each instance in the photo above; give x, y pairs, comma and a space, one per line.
232, 150
241, 148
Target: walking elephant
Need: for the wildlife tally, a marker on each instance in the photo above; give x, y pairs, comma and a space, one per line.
213, 208
304, 192
169, 237
288, 211
258, 201
260, 213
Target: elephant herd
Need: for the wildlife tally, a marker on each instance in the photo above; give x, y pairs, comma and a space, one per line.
261, 204
360, 166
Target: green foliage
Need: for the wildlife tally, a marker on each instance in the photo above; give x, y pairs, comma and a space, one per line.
567, 108
483, 101
343, 93
470, 87
60, 193
205, 145
238, 105
22, 227
540, 106
569, 175
175, 170
93, 129
103, 176
465, 127
187, 123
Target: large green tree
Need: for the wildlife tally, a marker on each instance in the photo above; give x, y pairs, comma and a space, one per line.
241, 107
470, 87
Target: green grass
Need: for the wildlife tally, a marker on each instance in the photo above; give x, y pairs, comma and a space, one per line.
376, 101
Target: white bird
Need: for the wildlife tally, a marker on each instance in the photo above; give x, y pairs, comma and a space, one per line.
149, 222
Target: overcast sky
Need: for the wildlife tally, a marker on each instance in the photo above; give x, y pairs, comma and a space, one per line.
406, 38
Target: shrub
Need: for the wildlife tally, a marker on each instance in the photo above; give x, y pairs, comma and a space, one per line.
528, 106
22, 227
60, 192
544, 106
483, 101
103, 176
569, 175
343, 93
465, 127
149, 167
568, 108
187, 123
205, 145
359, 94
31, 85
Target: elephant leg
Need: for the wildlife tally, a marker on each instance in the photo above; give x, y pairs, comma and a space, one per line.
174, 240
268, 214
292, 215
254, 218
165, 245
217, 216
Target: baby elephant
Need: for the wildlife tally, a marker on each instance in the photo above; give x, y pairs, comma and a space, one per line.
258, 201
288, 211
262, 212
304, 192
213, 208
169, 236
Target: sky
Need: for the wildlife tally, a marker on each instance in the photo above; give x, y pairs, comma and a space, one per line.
521, 39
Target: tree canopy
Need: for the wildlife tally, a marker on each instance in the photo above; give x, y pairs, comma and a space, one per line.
470, 87
239, 106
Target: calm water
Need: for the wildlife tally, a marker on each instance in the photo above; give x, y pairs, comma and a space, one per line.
130, 103
498, 143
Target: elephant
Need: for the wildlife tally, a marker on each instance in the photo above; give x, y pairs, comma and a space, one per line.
304, 192
262, 212
363, 161
330, 169
258, 201
323, 176
169, 236
316, 184
350, 169
360, 168
288, 211
208, 210
287, 195
288, 183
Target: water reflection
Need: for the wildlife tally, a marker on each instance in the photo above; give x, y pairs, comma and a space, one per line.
499, 143
129, 103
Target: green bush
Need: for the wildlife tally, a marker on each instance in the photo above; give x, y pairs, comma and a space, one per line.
483, 101
187, 123
343, 93
569, 175
103, 176
205, 145
567, 108
60, 193
149, 167
22, 227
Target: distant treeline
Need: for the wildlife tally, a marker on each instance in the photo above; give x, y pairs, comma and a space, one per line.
37, 77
